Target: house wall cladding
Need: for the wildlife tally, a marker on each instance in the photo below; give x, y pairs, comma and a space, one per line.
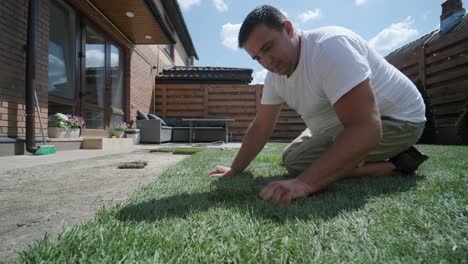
13, 31
442, 66
239, 102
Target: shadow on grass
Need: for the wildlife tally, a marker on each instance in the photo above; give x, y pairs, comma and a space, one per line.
241, 192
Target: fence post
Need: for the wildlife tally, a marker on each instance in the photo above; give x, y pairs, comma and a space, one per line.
205, 99
164, 101
422, 64
258, 95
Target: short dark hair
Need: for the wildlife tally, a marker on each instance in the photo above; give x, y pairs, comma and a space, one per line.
261, 15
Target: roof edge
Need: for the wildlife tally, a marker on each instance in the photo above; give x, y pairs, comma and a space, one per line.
154, 9
179, 23
426, 39
198, 74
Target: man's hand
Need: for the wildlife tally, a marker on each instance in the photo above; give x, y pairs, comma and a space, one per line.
221, 171
285, 191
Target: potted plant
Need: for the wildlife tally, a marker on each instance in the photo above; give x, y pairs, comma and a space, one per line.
65, 126
118, 129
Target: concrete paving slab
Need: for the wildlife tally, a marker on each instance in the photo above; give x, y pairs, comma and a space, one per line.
26, 161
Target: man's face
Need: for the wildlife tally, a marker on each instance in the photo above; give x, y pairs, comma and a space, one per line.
274, 50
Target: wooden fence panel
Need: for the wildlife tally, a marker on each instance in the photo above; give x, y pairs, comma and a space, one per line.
443, 69
459, 38
445, 53
238, 102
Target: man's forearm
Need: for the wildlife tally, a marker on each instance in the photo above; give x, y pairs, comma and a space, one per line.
253, 142
351, 146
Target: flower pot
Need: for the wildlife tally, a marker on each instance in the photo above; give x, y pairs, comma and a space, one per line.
118, 134
56, 132
133, 133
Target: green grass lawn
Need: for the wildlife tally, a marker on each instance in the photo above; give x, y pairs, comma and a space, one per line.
178, 150
188, 218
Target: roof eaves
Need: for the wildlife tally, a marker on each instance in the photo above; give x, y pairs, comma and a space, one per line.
179, 22
154, 9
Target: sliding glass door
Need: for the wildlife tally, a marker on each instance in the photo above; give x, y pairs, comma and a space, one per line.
103, 82
94, 79
86, 71
117, 84
62, 59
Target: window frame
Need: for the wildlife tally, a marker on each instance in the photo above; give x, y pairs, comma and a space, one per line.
78, 103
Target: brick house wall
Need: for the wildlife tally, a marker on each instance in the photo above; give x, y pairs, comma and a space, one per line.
13, 29
139, 72
142, 82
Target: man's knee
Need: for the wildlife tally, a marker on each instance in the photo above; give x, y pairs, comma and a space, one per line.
285, 154
290, 162
300, 154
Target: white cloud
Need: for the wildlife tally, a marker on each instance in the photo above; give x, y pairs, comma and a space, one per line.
56, 66
259, 76
220, 5
187, 4
309, 14
229, 35
114, 60
297, 27
284, 12
95, 58
426, 15
360, 2
394, 36
295, 23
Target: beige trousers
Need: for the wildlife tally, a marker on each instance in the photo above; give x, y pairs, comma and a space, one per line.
397, 136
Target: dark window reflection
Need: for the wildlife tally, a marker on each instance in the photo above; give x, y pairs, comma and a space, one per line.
95, 70
61, 71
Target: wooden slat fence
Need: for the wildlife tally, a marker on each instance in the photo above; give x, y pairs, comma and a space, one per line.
442, 66
239, 102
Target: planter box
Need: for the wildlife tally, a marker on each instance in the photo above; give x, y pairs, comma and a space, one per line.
55, 132
133, 133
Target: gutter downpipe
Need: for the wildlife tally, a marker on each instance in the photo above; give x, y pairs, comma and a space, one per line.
30, 76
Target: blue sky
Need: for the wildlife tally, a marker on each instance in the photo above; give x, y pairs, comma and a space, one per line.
386, 24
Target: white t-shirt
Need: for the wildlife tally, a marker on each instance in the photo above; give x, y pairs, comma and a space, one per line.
332, 61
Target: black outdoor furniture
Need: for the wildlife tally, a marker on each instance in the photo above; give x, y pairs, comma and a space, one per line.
190, 130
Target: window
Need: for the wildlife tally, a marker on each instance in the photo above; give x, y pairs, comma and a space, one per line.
86, 71
117, 84
62, 50
95, 78
190, 60
104, 65
169, 48
117, 74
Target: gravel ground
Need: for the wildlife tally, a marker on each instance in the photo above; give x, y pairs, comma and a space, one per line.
43, 198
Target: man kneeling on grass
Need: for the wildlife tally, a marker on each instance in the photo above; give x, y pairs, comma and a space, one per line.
363, 116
